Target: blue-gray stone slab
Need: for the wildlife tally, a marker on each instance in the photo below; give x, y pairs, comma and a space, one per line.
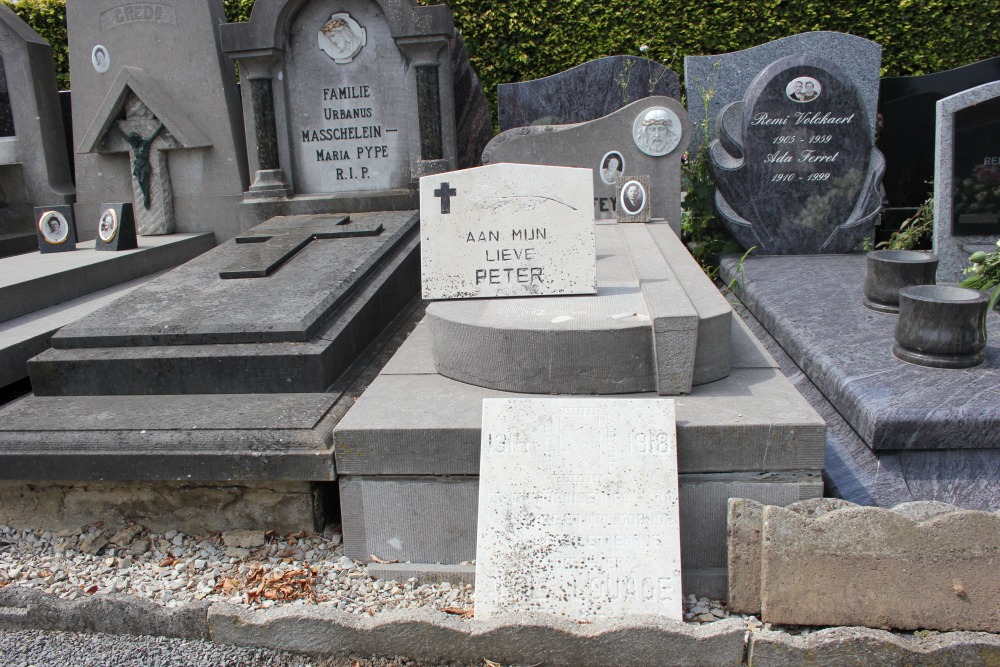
812, 306
794, 165
730, 74
585, 92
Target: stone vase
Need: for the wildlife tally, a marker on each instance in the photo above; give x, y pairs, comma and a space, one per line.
941, 326
891, 270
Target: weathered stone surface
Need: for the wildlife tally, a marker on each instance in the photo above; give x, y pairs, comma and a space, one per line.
145, 63
193, 508
879, 568
967, 170
794, 166
611, 146
585, 92
641, 641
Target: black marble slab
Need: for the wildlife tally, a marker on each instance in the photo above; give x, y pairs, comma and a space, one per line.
812, 305
794, 165
906, 138
585, 92
976, 170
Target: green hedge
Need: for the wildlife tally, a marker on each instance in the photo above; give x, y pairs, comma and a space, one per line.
516, 40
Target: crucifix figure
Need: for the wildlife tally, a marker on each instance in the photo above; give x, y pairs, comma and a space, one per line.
141, 169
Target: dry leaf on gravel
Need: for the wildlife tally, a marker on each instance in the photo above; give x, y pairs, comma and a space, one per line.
458, 611
378, 560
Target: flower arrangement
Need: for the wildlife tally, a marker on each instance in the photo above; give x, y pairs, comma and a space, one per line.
984, 274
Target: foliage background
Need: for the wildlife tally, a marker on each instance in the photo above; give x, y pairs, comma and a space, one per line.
517, 40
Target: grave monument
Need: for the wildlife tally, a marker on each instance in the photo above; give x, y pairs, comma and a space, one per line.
156, 116
346, 109
966, 177
34, 167
585, 92
794, 165
646, 137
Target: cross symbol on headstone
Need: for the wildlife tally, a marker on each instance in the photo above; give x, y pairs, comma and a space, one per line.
280, 238
445, 193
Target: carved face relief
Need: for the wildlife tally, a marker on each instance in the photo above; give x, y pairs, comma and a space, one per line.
342, 38
656, 131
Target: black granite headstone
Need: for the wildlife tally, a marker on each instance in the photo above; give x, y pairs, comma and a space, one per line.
116, 228
797, 172
906, 139
585, 92
56, 228
976, 170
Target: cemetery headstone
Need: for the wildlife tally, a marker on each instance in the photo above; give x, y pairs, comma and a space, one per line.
578, 508
729, 75
906, 138
34, 166
967, 177
56, 229
645, 137
348, 107
507, 230
116, 228
585, 92
633, 199
157, 116
794, 165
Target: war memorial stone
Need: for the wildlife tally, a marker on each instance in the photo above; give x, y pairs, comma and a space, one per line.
507, 230
346, 109
578, 508
645, 137
585, 92
794, 165
34, 167
907, 105
967, 177
156, 116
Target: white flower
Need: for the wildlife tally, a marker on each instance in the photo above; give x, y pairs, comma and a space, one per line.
644, 48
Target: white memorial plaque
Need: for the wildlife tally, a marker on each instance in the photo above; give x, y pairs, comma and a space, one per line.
507, 230
578, 508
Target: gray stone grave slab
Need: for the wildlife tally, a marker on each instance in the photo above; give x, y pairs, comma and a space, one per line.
34, 166
194, 331
346, 107
578, 508
585, 92
923, 433
157, 116
966, 178
730, 74
507, 230
794, 165
645, 137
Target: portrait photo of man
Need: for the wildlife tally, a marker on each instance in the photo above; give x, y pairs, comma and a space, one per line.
108, 226
342, 38
633, 198
803, 89
657, 131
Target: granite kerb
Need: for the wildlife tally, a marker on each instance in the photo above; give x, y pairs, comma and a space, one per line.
425, 634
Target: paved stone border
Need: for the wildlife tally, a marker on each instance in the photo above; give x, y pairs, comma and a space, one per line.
429, 635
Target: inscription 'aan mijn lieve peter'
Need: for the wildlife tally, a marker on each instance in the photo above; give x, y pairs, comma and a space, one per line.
801, 148
359, 107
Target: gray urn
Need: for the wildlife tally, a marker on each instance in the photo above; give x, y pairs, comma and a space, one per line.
941, 326
891, 270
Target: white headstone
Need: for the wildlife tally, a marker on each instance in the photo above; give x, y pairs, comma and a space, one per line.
507, 230
578, 508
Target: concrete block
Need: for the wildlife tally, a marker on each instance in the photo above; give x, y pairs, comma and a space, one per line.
906, 568
191, 508
523, 639
425, 573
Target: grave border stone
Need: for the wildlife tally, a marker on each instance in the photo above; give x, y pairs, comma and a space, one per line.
954, 251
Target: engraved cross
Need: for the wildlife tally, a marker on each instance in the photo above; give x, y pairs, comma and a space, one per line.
278, 240
445, 193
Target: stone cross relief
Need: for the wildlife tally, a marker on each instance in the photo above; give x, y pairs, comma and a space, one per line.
142, 134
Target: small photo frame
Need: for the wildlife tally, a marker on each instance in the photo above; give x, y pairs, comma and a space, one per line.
116, 227
612, 166
100, 59
803, 89
632, 199
56, 229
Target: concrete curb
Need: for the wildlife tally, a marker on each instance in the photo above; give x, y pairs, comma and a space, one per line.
428, 635
847, 647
